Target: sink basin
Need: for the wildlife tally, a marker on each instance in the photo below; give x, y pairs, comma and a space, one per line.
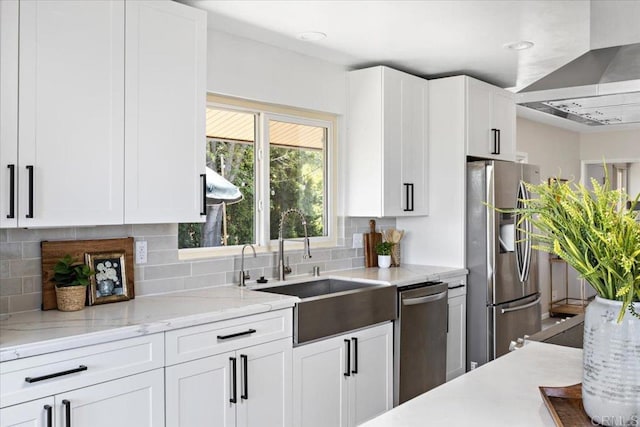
317, 288
330, 307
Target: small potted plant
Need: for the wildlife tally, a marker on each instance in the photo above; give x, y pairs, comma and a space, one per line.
384, 254
71, 279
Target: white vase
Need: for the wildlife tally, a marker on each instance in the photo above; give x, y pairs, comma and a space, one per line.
384, 261
611, 364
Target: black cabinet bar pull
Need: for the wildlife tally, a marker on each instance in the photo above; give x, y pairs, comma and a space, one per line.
245, 375
347, 372
412, 197
55, 375
494, 134
234, 387
456, 287
30, 212
499, 141
355, 356
49, 411
12, 191
67, 412
203, 177
408, 187
237, 334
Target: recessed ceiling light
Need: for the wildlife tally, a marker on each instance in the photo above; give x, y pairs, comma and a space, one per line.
312, 36
521, 45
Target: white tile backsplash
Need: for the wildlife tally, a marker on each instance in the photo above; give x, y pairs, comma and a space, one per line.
20, 263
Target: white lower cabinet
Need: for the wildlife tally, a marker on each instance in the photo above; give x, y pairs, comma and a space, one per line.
135, 401
37, 413
456, 328
344, 380
247, 387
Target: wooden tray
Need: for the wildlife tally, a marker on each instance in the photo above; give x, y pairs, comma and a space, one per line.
53, 251
565, 405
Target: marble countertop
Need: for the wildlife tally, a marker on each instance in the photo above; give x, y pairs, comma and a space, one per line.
398, 276
503, 392
39, 332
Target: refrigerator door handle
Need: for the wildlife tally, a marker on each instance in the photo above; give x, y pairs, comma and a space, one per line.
490, 224
527, 238
521, 307
523, 240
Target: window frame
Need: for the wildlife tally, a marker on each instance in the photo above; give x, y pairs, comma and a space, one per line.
264, 113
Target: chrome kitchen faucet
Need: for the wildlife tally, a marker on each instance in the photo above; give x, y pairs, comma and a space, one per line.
282, 269
245, 275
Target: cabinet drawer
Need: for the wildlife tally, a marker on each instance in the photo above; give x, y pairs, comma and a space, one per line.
49, 374
457, 286
196, 342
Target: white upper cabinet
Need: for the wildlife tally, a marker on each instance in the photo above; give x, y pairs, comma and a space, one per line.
77, 146
8, 112
69, 165
491, 121
165, 112
387, 144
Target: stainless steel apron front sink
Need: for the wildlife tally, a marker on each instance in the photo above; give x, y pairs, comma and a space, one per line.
330, 307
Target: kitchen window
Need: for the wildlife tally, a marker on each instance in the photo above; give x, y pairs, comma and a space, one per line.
261, 161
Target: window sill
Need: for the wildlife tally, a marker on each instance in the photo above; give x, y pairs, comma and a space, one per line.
227, 251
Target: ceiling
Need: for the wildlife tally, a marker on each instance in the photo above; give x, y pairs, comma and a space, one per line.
437, 38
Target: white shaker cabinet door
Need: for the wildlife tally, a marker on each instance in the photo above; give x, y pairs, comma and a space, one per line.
320, 386
36, 413
165, 112
71, 113
372, 374
265, 385
456, 337
8, 112
504, 119
200, 393
135, 401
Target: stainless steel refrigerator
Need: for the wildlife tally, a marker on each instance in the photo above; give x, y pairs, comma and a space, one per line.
503, 298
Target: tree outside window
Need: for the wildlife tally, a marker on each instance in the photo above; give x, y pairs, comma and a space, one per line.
296, 178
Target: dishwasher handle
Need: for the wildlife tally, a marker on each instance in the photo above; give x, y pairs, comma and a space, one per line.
424, 300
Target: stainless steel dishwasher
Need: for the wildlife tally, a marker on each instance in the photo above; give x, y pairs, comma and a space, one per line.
420, 340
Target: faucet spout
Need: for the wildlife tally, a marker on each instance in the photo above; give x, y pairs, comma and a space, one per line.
245, 275
282, 269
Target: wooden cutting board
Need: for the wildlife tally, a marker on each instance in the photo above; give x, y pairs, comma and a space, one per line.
371, 239
53, 251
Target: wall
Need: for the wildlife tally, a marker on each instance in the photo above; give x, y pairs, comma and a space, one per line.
612, 146
634, 179
236, 67
557, 152
248, 69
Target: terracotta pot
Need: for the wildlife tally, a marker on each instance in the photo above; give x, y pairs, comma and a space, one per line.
611, 364
71, 298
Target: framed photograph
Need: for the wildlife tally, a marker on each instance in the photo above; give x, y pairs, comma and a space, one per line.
109, 280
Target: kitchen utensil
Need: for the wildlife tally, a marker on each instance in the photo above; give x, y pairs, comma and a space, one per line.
371, 239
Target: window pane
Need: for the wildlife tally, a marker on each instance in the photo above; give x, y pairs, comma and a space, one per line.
230, 181
297, 172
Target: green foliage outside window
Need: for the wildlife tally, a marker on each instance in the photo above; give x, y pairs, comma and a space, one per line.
296, 180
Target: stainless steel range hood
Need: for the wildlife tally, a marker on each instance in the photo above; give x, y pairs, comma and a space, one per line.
601, 87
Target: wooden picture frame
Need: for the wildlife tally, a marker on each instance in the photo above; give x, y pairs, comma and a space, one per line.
109, 278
